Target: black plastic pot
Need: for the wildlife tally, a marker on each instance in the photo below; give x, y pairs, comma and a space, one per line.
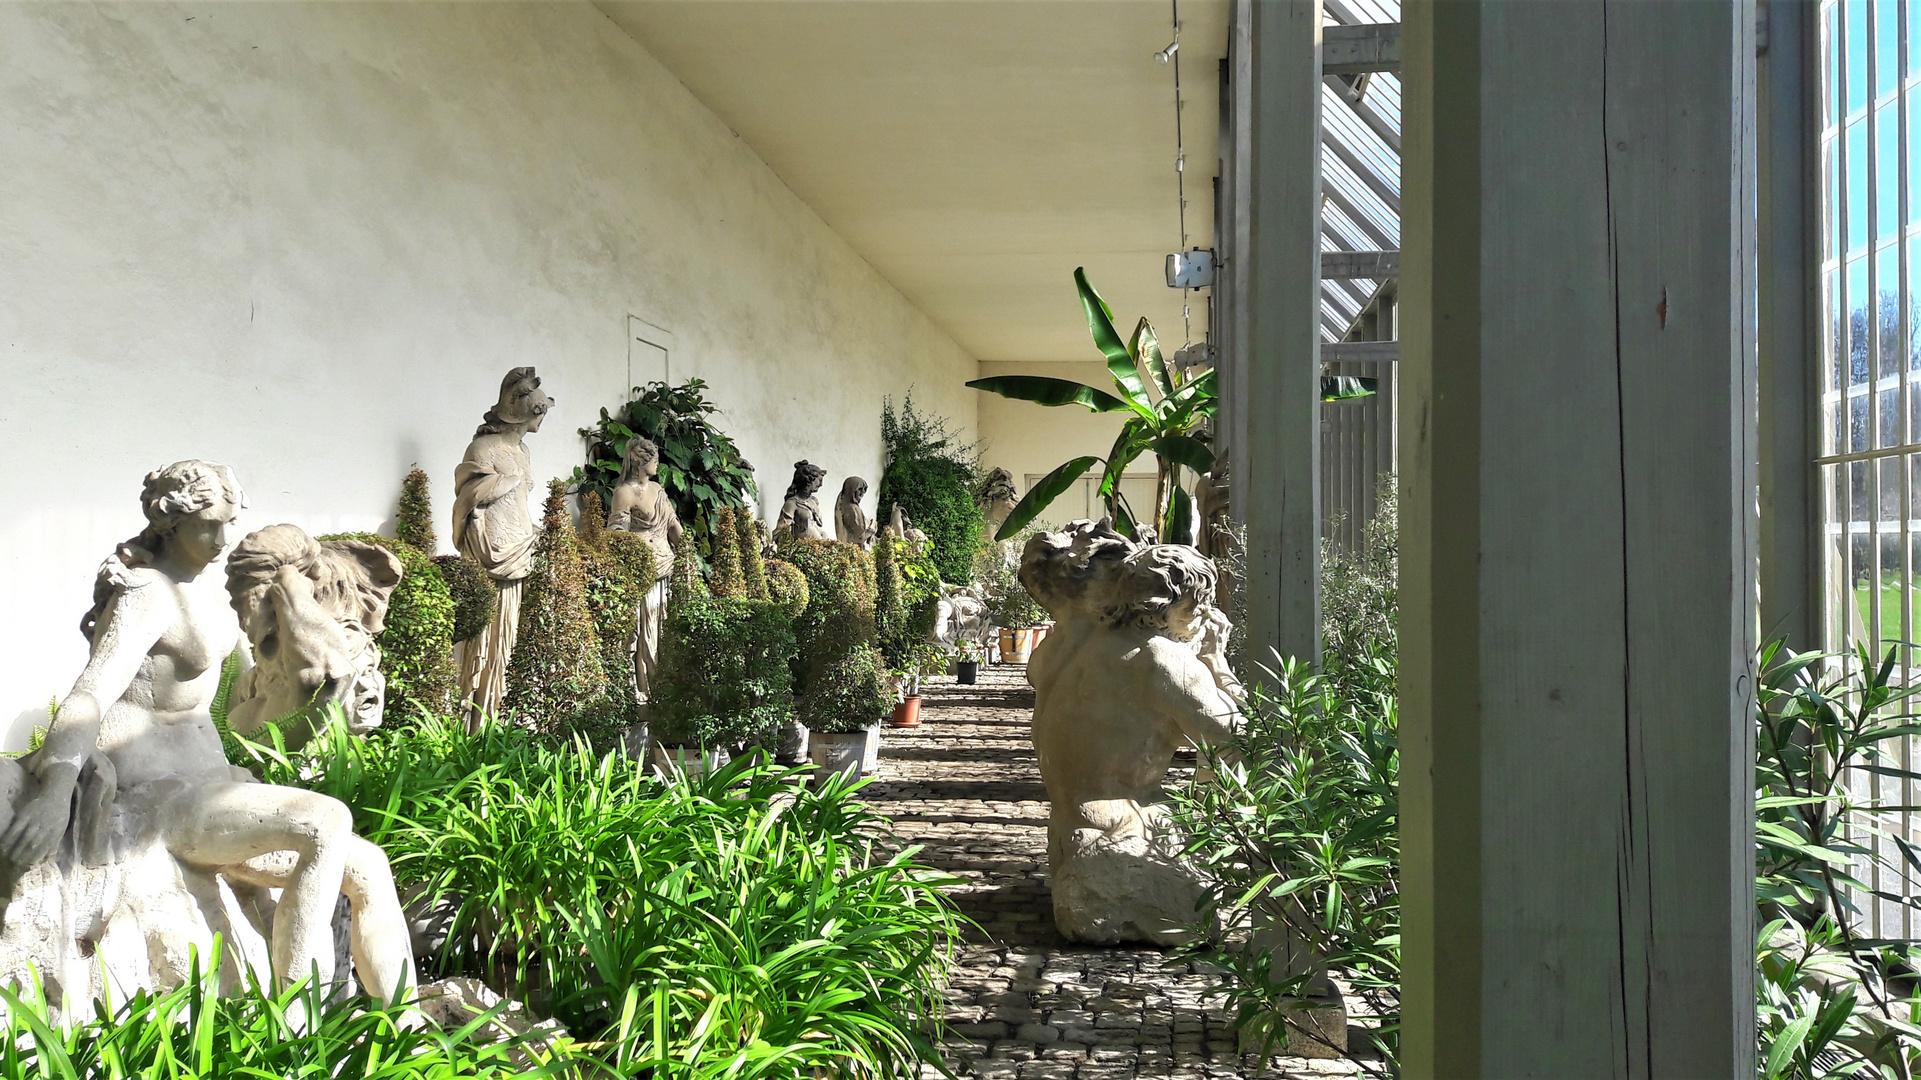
966, 671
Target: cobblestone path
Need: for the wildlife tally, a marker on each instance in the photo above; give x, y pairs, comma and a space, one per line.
1024, 1004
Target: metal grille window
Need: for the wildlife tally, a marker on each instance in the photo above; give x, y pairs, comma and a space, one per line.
1871, 368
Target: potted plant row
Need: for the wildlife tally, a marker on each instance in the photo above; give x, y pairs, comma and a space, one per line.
967, 663
843, 712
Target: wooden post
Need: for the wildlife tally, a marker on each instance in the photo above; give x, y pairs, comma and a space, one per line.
1278, 475
1790, 351
1578, 539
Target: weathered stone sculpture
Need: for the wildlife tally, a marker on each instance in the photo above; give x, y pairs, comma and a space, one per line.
899, 524
1214, 527
800, 515
127, 841
997, 499
1119, 686
850, 521
642, 507
961, 615
493, 527
310, 610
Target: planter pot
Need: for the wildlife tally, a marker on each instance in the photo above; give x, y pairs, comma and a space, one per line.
966, 672
1015, 645
907, 713
843, 753
690, 760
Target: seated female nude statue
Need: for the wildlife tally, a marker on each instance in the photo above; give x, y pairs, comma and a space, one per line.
136, 740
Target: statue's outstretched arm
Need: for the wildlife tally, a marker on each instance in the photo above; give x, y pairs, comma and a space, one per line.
127, 633
1194, 699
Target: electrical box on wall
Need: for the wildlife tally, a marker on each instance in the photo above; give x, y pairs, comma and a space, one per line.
1191, 269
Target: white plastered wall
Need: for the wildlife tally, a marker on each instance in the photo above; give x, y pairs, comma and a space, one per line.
307, 240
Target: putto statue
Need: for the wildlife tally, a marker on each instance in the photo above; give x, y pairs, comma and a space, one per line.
310, 610
1130, 673
127, 841
850, 521
899, 524
997, 499
800, 515
642, 507
493, 527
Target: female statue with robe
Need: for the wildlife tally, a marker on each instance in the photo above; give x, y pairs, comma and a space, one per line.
642, 507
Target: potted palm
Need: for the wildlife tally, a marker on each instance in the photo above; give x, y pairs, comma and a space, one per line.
967, 663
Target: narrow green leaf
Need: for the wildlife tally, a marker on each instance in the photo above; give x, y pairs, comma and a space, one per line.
1120, 362
1180, 518
1041, 494
1049, 391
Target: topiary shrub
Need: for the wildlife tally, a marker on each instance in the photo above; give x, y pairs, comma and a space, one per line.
932, 477
417, 645
850, 694
726, 676
728, 581
839, 616
414, 520
753, 569
907, 601
787, 586
555, 679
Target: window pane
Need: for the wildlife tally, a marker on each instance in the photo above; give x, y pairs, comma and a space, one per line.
1836, 345
1858, 439
1887, 269
1887, 172
1857, 309
1857, 55
1857, 185
1887, 36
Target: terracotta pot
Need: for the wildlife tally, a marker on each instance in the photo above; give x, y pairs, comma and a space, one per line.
966, 671
907, 713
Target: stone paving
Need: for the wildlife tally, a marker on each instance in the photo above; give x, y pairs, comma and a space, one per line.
1024, 1004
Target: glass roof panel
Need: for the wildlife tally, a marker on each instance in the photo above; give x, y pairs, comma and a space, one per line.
1360, 170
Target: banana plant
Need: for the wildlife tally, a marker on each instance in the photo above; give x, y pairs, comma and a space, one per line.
1169, 422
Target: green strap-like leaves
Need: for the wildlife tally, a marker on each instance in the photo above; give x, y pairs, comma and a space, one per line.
1038, 496
1180, 518
1049, 391
1146, 348
1120, 361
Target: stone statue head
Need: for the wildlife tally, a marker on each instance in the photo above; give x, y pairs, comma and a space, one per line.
522, 404
352, 580
807, 479
1072, 569
853, 489
998, 486
642, 460
188, 506
1162, 587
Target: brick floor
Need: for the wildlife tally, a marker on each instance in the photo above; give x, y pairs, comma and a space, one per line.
1024, 1004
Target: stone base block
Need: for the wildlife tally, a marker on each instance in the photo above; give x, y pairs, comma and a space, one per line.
1315, 1028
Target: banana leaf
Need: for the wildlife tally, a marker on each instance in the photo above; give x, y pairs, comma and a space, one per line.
1050, 488
1049, 391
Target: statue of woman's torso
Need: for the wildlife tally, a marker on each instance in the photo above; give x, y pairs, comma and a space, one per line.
161, 725
642, 507
499, 534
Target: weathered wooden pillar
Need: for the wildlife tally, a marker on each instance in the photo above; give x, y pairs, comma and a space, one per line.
1578, 539
1278, 473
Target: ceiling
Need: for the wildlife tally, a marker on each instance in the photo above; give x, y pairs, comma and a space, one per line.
974, 151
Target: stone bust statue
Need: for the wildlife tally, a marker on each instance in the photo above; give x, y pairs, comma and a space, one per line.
310, 610
128, 816
800, 513
997, 498
850, 521
494, 527
1120, 684
642, 507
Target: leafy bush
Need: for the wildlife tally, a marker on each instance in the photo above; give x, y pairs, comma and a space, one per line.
1358, 595
787, 586
932, 476
907, 600
738, 925
850, 694
1008, 602
414, 520
417, 644
729, 580
726, 675
839, 616
700, 467
1300, 833
555, 679
474, 594
614, 563
753, 567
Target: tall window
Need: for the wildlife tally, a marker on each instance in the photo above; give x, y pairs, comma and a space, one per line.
1870, 463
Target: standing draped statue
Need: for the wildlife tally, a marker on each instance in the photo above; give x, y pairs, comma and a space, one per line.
641, 507
850, 521
493, 527
997, 499
1134, 668
800, 515
127, 841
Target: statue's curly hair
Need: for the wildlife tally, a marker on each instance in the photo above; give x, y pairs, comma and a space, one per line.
1153, 580
168, 495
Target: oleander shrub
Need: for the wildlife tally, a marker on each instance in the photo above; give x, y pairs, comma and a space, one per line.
556, 681
417, 644
932, 476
